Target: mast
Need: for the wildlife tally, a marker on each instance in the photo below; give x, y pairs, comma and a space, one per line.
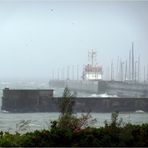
126, 70
73, 72
129, 65
138, 68
117, 72
92, 56
144, 74
58, 75
68, 73
112, 71
121, 70
52, 74
147, 74
77, 72
63, 73
133, 63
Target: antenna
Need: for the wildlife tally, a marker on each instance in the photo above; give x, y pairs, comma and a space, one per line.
92, 56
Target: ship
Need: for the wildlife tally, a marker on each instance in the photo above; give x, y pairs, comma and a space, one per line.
92, 71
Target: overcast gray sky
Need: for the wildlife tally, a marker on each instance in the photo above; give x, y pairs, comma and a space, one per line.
36, 36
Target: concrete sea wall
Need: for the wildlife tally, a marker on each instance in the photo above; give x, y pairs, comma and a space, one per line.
26, 100
43, 101
127, 89
121, 89
111, 104
77, 85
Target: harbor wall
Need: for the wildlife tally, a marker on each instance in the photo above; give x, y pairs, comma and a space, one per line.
126, 89
77, 85
26, 100
43, 101
118, 88
111, 104
88, 86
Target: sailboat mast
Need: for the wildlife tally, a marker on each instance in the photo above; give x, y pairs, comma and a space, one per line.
133, 63
126, 70
129, 65
138, 68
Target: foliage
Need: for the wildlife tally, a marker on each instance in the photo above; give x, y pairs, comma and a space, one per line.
66, 102
72, 122
123, 136
67, 120
115, 121
9, 140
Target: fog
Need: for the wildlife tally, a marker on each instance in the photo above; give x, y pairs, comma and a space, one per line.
39, 36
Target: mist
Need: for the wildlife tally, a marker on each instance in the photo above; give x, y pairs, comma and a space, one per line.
39, 36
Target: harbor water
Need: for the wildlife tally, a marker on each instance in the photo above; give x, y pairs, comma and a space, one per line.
9, 121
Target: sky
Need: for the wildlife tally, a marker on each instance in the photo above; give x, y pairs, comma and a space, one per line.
39, 37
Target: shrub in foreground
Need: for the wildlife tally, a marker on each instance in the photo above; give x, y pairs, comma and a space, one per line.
129, 135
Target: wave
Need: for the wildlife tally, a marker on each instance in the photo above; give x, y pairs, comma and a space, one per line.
37, 125
139, 111
105, 95
4, 111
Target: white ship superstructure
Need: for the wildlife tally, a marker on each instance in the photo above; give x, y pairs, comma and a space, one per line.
92, 71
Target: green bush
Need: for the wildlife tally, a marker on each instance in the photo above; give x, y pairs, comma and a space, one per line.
128, 135
9, 140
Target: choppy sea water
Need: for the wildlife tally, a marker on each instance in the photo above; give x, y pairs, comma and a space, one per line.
9, 121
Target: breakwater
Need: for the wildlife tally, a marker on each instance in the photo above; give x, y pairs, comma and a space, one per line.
43, 101
119, 88
26, 100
